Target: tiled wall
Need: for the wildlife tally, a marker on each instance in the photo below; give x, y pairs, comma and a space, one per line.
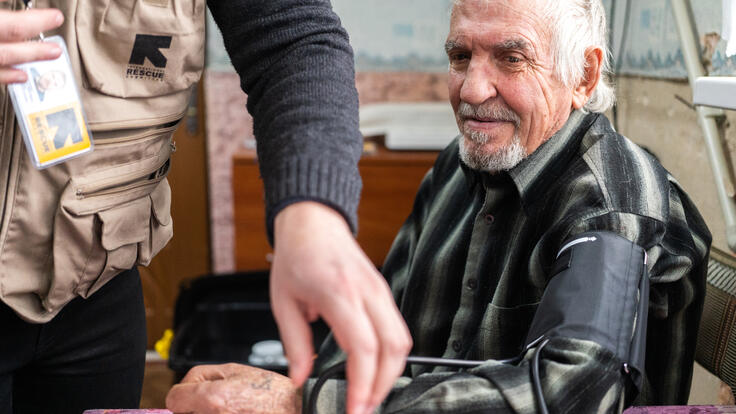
229, 127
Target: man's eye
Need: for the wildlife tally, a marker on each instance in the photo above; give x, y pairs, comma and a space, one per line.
513, 59
459, 57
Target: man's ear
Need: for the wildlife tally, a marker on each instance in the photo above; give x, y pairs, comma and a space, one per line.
593, 63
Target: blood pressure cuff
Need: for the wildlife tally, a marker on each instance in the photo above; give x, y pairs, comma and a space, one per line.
599, 291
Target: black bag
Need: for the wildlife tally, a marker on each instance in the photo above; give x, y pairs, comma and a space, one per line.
218, 319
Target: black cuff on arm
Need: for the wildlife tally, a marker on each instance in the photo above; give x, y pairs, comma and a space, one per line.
599, 292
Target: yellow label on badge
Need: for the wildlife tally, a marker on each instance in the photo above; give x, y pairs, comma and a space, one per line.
58, 132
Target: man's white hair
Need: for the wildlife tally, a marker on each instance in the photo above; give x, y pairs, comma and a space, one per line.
576, 26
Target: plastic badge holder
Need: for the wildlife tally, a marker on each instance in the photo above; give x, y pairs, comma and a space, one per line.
49, 110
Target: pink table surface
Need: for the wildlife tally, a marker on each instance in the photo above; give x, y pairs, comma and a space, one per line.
145, 411
683, 409
689, 409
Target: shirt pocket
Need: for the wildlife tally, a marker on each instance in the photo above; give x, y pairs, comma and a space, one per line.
138, 50
503, 330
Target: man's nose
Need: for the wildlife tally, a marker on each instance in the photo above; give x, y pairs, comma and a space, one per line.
479, 84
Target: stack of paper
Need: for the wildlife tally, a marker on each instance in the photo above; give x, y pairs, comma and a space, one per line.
410, 126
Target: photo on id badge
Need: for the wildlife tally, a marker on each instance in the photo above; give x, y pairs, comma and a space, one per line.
50, 112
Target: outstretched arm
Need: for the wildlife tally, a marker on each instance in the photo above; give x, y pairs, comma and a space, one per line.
296, 66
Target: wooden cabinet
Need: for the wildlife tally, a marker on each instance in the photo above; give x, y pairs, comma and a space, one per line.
390, 182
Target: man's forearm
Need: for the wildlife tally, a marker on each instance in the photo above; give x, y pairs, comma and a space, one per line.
577, 377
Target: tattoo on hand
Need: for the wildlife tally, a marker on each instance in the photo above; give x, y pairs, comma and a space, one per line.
265, 383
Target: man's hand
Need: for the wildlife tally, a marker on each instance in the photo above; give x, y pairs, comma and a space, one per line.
16, 27
319, 270
233, 388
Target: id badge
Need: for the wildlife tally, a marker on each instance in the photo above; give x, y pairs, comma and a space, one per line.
49, 110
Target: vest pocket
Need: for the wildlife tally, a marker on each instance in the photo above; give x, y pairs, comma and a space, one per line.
111, 220
111, 240
160, 227
122, 229
148, 52
138, 48
133, 234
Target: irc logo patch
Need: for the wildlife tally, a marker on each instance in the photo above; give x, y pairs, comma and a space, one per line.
146, 61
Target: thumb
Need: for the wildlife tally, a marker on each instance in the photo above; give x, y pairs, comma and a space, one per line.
296, 335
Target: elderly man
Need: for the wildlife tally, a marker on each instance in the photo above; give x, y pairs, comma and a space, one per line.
537, 166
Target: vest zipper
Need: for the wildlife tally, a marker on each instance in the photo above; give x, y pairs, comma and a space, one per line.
112, 126
135, 137
112, 186
117, 190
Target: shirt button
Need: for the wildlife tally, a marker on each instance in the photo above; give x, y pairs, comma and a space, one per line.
489, 219
472, 284
456, 346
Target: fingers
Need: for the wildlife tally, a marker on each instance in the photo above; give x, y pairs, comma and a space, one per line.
355, 334
12, 76
324, 270
194, 375
394, 344
243, 389
295, 332
208, 373
376, 348
386, 351
178, 397
23, 25
15, 29
204, 373
15, 53
191, 398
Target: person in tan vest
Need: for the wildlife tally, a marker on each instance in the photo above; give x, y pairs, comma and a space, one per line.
71, 235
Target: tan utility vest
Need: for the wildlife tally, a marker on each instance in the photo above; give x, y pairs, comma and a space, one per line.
69, 229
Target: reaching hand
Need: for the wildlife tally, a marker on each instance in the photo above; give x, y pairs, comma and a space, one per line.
319, 270
233, 388
16, 27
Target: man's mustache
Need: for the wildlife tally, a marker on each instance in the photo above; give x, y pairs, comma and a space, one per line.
488, 112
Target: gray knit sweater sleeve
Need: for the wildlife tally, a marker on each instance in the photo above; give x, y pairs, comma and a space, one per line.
296, 65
